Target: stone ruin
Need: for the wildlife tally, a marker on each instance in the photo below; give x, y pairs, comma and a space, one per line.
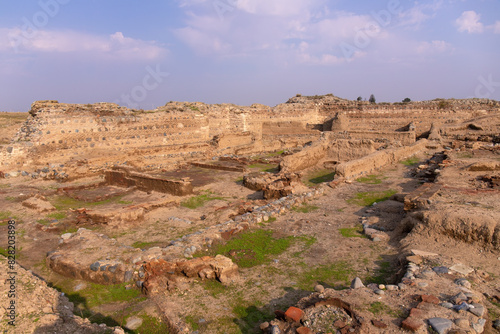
145, 151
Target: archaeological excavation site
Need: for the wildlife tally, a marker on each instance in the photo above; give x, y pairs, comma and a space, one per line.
319, 215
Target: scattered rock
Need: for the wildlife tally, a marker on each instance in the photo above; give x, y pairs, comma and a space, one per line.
319, 288
294, 314
66, 236
430, 299
477, 310
463, 282
304, 330
440, 325
379, 324
479, 326
462, 269
462, 323
133, 323
357, 283
95, 266
423, 253
412, 324
440, 270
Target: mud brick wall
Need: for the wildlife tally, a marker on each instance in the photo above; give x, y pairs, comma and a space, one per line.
239, 169
148, 183
376, 160
405, 138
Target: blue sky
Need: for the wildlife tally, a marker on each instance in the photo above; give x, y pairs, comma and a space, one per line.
143, 54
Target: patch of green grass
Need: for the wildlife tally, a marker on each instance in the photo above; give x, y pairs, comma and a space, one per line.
252, 248
465, 155
270, 168
370, 197
10, 198
352, 232
320, 176
151, 325
57, 215
142, 245
200, 200
193, 322
3, 252
215, 288
305, 208
378, 308
6, 215
249, 317
124, 202
370, 179
307, 240
338, 272
275, 154
410, 161
382, 274
70, 229
44, 222
96, 294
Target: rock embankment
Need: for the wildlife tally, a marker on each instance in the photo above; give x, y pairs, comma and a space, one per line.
40, 308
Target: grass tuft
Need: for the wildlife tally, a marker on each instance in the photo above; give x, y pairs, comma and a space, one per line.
412, 161
370, 179
252, 248
370, 197
200, 200
338, 272
317, 177
352, 232
305, 208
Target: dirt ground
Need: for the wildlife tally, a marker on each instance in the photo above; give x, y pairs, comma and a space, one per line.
325, 243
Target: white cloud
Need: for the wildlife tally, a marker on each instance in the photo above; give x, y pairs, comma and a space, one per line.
496, 27
419, 13
470, 21
284, 8
115, 46
434, 47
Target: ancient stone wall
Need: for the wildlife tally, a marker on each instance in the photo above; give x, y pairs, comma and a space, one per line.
108, 133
